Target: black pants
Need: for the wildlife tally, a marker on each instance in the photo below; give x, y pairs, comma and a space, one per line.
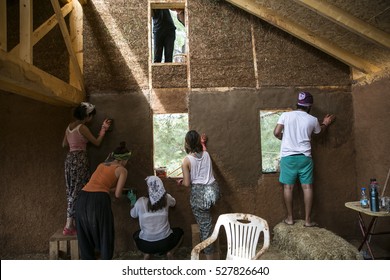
164, 41
161, 246
95, 225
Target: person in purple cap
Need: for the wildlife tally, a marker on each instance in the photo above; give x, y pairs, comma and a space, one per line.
295, 129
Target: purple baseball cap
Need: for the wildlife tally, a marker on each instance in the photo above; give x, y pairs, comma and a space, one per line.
305, 99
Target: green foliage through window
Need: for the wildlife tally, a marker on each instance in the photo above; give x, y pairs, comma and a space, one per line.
270, 145
169, 131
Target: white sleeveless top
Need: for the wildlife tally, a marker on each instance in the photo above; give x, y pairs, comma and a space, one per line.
201, 169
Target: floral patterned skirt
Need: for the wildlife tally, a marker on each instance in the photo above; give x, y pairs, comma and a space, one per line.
77, 174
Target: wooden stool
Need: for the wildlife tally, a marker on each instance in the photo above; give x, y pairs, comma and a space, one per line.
196, 240
63, 246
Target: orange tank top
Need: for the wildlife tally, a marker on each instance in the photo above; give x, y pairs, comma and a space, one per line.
103, 179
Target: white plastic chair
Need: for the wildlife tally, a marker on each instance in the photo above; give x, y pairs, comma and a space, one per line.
242, 235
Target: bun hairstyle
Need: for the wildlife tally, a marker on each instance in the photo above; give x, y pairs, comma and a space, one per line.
120, 153
121, 149
84, 110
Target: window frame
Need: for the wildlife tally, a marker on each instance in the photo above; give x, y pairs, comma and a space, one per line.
167, 5
273, 111
178, 168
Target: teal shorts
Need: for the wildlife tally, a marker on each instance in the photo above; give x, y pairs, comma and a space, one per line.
296, 167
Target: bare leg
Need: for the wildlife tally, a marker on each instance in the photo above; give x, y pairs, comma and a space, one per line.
308, 199
288, 200
69, 223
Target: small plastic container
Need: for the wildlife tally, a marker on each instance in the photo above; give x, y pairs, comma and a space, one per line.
363, 198
161, 172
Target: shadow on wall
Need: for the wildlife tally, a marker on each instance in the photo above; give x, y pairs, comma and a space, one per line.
115, 59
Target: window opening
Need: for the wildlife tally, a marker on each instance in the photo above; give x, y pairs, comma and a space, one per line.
169, 131
270, 145
162, 31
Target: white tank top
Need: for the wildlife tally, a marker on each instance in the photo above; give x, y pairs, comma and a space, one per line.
77, 142
201, 169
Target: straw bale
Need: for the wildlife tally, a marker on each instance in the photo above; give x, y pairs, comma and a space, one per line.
169, 76
314, 243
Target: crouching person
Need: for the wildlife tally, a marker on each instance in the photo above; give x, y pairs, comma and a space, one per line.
156, 235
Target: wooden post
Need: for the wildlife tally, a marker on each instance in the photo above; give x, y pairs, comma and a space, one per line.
76, 38
45, 27
385, 185
3, 25
26, 18
65, 34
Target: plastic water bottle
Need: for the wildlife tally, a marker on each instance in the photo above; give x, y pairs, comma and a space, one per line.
363, 198
374, 197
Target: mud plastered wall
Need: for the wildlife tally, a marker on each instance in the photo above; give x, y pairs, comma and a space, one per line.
32, 184
371, 113
231, 119
116, 78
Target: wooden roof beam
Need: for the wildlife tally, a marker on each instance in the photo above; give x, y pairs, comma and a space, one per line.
65, 33
82, 2
45, 28
348, 21
3, 25
305, 35
26, 23
20, 77
167, 4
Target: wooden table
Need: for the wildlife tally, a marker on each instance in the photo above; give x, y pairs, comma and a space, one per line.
367, 231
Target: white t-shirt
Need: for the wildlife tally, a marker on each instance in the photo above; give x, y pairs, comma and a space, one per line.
297, 131
201, 169
154, 225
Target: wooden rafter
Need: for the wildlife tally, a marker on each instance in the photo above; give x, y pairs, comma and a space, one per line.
25, 79
76, 37
18, 74
45, 28
68, 43
3, 25
26, 17
305, 35
175, 4
348, 21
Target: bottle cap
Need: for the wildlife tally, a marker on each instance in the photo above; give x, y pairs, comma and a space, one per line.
363, 189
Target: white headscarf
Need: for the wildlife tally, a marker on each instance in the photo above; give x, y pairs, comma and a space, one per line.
90, 107
155, 188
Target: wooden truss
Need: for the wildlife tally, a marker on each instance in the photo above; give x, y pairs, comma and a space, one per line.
17, 72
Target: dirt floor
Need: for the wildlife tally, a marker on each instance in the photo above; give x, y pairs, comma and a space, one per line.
182, 253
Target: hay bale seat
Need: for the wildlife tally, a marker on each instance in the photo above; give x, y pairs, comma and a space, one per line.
314, 243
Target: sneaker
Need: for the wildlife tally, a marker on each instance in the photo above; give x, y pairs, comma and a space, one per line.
69, 231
